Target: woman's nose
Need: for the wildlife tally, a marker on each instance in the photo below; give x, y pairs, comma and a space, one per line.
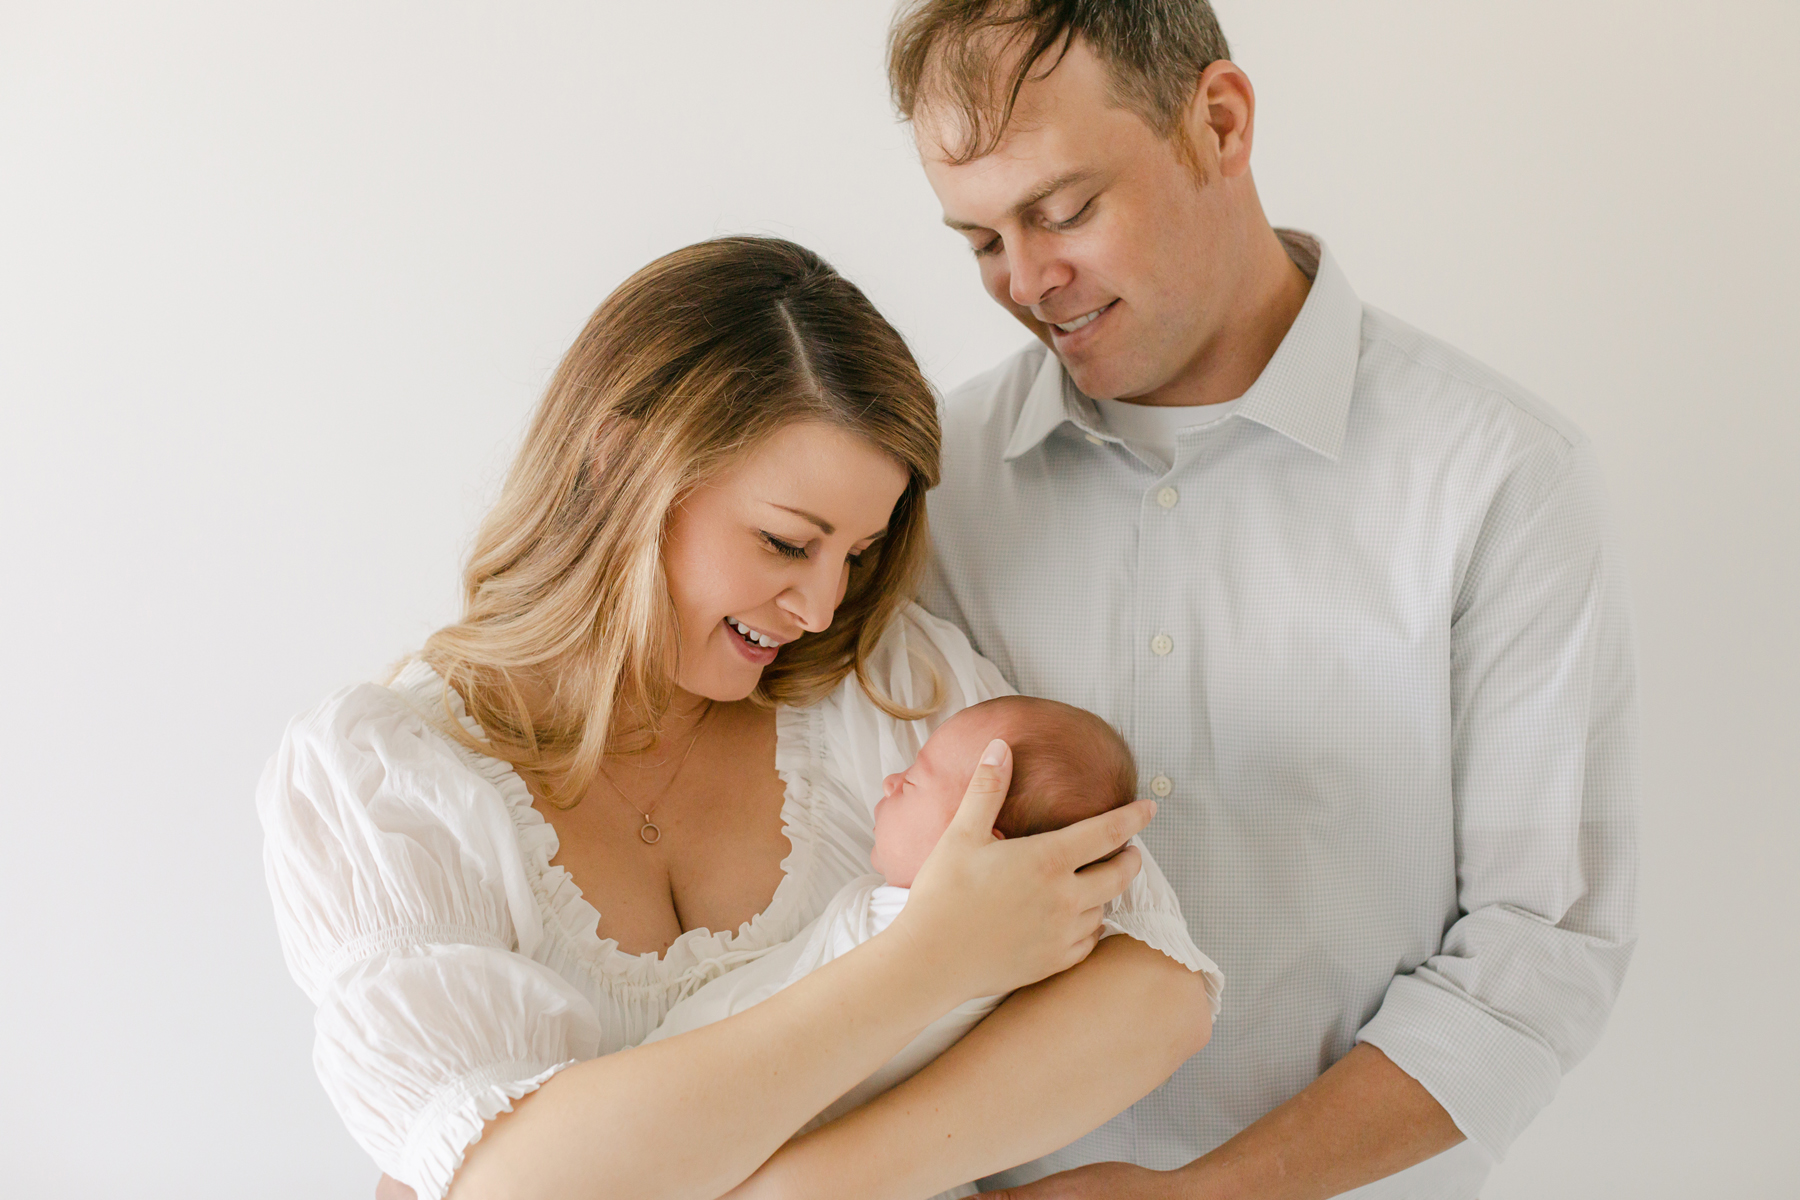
812, 601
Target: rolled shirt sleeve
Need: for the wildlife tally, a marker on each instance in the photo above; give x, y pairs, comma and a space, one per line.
401, 904
1544, 753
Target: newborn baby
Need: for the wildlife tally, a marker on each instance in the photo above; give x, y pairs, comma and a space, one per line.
1068, 765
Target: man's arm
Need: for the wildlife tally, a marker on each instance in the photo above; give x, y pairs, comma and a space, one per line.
1362, 1120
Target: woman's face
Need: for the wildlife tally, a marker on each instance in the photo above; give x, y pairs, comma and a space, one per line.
761, 554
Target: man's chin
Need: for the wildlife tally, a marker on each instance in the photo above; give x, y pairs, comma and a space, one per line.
1089, 371
1094, 380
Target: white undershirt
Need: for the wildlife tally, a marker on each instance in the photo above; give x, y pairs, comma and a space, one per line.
1150, 429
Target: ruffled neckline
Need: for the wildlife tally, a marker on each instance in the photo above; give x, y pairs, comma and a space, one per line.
574, 923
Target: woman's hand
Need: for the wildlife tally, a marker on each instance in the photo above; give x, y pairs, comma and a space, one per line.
996, 915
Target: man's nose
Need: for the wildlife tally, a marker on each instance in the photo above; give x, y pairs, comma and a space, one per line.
1033, 272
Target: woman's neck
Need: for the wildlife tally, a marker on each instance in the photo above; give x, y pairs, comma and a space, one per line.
680, 724
683, 717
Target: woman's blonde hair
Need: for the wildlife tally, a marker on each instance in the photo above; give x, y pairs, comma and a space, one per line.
567, 646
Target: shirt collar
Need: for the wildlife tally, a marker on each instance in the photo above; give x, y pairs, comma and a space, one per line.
1303, 393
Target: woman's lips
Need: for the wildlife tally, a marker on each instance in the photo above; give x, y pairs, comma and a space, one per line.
762, 656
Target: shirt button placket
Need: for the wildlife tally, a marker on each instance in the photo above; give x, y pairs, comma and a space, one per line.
1158, 688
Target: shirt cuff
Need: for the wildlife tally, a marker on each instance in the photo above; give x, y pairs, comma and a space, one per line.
1491, 1075
454, 1120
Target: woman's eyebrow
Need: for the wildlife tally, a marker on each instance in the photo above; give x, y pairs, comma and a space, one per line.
825, 527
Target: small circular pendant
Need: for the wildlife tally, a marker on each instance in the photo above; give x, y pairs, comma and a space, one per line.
651, 833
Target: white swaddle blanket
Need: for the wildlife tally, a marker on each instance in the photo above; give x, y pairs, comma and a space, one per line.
861, 909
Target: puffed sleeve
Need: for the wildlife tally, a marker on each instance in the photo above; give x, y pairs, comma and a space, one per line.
408, 916
922, 660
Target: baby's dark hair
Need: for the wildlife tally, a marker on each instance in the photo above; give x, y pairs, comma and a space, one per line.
1068, 764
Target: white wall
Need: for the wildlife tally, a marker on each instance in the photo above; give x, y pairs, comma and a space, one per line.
279, 283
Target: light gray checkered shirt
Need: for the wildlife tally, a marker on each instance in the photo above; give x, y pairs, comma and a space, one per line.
1369, 640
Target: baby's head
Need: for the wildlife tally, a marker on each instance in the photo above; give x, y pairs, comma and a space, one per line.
1068, 765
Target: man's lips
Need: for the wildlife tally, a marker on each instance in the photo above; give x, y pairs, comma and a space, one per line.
1062, 330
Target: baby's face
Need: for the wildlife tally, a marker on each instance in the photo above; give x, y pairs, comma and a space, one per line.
918, 803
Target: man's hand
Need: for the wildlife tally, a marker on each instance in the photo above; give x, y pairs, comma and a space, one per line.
1098, 1181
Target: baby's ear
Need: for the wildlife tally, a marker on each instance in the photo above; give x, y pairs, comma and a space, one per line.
998, 836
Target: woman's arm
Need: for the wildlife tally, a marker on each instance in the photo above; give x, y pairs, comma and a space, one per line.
1054, 1061
696, 1114
693, 1115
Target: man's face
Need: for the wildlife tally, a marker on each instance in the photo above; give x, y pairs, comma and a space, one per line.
1092, 231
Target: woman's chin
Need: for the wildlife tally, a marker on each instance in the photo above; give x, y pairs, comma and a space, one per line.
725, 686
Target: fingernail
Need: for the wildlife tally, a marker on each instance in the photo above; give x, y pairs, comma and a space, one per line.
994, 754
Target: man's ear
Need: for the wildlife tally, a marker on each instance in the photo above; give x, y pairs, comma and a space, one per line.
1221, 119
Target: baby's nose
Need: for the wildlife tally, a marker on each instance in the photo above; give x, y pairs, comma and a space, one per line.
890, 783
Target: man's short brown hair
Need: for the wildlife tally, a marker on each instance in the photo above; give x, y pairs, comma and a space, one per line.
949, 51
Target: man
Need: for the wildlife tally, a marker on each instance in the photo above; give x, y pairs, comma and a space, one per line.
1350, 595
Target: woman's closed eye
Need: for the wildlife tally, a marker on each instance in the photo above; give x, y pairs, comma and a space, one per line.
792, 550
856, 557
784, 548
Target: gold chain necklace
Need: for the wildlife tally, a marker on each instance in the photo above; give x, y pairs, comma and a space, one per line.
651, 832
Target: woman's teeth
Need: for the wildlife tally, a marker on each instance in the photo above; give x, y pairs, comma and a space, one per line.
1078, 322
750, 635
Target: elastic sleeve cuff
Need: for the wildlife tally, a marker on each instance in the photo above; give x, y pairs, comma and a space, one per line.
1162, 931
1491, 1075
454, 1120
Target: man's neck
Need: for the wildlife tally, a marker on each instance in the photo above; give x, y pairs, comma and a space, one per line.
1258, 314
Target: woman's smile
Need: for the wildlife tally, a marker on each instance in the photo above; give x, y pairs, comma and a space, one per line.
758, 647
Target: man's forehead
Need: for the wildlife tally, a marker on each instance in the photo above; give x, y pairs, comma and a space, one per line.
1065, 88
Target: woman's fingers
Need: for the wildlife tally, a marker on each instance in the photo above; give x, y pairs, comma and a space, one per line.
986, 793
1104, 882
1085, 947
1042, 898
1093, 839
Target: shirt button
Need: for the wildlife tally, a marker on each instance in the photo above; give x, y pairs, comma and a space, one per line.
1161, 786
1162, 643
1168, 497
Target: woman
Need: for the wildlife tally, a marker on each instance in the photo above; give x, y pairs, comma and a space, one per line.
647, 754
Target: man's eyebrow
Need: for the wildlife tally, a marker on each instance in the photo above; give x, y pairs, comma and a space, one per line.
825, 527
1036, 195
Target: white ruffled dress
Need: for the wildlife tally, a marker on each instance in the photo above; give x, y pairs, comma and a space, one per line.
455, 969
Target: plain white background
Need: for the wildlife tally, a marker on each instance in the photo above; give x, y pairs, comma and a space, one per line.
279, 284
